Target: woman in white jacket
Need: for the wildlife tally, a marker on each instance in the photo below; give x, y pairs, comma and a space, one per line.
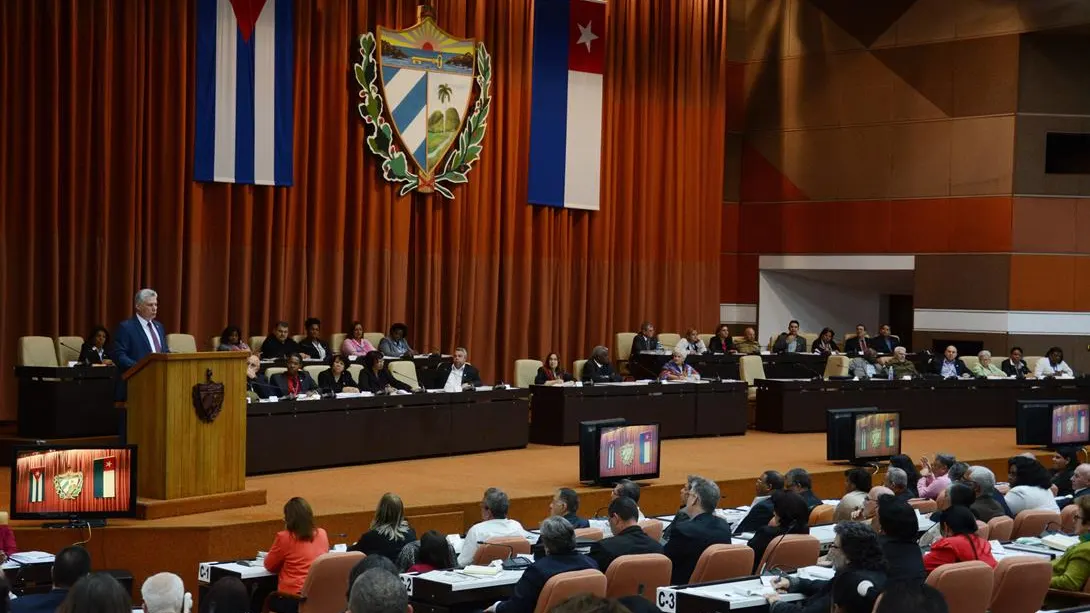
1030, 486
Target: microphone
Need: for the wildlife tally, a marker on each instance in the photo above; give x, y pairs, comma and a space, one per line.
597, 512
79, 352
818, 376
773, 544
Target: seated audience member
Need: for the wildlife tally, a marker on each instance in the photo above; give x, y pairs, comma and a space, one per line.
459, 374
378, 591
985, 367
1064, 462
957, 495
597, 368
900, 364
691, 343
1014, 366
790, 515
294, 549
396, 345
1053, 365
906, 464
95, 347
493, 524
857, 483
628, 537
798, 480
903, 598
957, 472
689, 540
681, 515
677, 370
859, 343
295, 381
866, 366
898, 526
558, 537
71, 564
551, 372
986, 503
376, 378
949, 366
869, 510
959, 543
354, 344
231, 340
790, 341
748, 345
860, 567
1031, 487
389, 530
824, 343
97, 593
884, 342
626, 488
434, 553
760, 509
1071, 570
645, 340
367, 563
897, 482
722, 342
165, 593
934, 478
257, 386
565, 503
1080, 483
278, 344
312, 346
336, 378
227, 595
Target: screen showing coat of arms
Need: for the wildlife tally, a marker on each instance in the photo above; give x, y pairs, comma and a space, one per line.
84, 482
877, 435
628, 451
1069, 424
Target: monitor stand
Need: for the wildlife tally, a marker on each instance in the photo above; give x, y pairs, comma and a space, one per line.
76, 523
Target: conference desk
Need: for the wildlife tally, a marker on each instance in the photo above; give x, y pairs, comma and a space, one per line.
66, 402
725, 365
449, 591
427, 366
681, 409
301, 434
799, 406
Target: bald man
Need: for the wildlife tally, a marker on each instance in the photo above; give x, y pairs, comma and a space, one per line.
950, 366
870, 505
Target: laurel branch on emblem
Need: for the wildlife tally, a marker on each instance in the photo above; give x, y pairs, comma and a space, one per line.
395, 164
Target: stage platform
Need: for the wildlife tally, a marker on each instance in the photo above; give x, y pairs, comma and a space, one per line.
444, 494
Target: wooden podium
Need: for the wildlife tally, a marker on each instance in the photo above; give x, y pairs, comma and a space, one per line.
186, 463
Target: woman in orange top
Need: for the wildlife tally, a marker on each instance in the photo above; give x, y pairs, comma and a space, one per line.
295, 548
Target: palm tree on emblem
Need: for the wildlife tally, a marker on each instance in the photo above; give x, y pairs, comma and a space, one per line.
445, 93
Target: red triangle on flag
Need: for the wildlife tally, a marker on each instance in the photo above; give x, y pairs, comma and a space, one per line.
246, 14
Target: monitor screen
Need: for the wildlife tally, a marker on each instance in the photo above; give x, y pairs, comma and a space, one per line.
628, 452
1069, 424
88, 482
877, 435
588, 446
840, 432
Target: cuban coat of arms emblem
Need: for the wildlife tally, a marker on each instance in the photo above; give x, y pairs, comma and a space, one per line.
68, 485
417, 97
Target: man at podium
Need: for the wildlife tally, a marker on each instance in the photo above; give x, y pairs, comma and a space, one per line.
141, 334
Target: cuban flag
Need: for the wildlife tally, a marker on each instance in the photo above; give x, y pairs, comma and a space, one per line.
105, 477
245, 88
566, 103
37, 486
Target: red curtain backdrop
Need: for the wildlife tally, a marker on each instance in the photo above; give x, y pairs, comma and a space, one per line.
98, 198
76, 460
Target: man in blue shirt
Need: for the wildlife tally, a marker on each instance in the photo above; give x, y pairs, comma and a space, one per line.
950, 365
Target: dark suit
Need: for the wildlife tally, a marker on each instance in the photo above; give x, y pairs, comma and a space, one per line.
632, 540
272, 348
780, 346
280, 383
543, 376
716, 345
904, 560
959, 366
310, 349
372, 382
1008, 367
576, 521
884, 344
689, 540
759, 515
811, 499
131, 342
528, 588
39, 603
643, 343
599, 373
260, 386
986, 507
89, 355
326, 382
852, 345
1078, 494
815, 347
470, 374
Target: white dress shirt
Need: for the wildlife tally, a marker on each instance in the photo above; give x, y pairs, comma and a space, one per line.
1046, 369
1027, 497
454, 380
485, 530
144, 325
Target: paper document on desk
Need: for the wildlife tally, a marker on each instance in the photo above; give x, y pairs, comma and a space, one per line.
33, 557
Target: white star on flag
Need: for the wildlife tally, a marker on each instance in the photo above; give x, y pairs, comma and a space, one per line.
585, 35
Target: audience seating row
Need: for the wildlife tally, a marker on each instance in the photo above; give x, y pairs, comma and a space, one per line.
1017, 585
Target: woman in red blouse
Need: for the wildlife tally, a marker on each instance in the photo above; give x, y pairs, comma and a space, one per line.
294, 549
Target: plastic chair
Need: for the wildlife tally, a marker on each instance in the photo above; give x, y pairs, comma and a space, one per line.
1034, 522
565, 585
652, 528
326, 584
1067, 518
404, 371
500, 548
525, 372
1021, 592
966, 586
638, 575
589, 534
791, 551
722, 562
1000, 528
822, 514
37, 351
923, 505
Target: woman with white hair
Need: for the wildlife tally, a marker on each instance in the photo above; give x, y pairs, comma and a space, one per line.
986, 368
165, 593
677, 370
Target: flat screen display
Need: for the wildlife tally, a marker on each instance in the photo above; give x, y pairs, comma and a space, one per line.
628, 452
1069, 424
877, 435
88, 482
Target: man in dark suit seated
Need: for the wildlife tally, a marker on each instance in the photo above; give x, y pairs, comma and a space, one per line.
689, 540
885, 342
70, 565
459, 374
897, 482
798, 480
141, 334
295, 381
279, 344
312, 346
558, 537
950, 366
681, 515
760, 510
598, 369
1080, 484
628, 537
790, 341
257, 386
645, 340
565, 503
859, 343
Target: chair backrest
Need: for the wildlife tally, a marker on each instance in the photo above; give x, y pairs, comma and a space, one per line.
404, 371
822, 514
1000, 528
500, 548
836, 366
525, 371
336, 341
923, 505
966, 586
982, 529
1021, 592
809, 337
577, 369
70, 353
327, 582
37, 351
256, 342
1031, 362
182, 343
1032, 522
374, 338
214, 343
721, 562
639, 575
315, 369
622, 345
565, 585
298, 337
849, 336
274, 370
355, 370
971, 361
669, 340
751, 368
706, 338
652, 528
589, 534
791, 551
1067, 518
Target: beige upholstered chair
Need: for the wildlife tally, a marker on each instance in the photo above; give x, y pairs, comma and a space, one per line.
722, 562
1031, 362
275, 370
37, 351
822, 514
577, 369
622, 346
298, 337
1067, 519
355, 370
639, 575
1021, 592
326, 584
836, 366
810, 338
256, 342
565, 585
669, 340
971, 361
182, 343
792, 551
652, 528
500, 548
336, 341
982, 529
525, 372
751, 368
966, 586
1000, 528
69, 353
589, 534
214, 343
315, 370
374, 337
706, 338
404, 371
1033, 522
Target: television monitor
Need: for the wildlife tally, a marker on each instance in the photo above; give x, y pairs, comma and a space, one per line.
1043, 423
840, 432
1069, 424
588, 446
73, 483
628, 452
877, 436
